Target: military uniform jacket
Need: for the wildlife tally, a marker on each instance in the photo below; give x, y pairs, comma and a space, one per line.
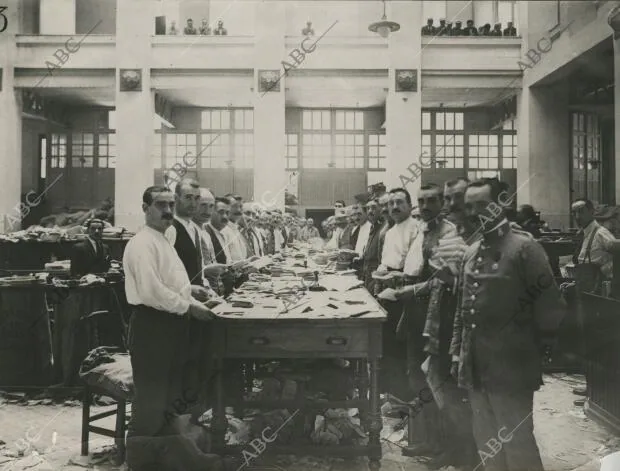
509, 308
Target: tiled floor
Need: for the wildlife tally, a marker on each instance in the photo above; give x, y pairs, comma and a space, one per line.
50, 437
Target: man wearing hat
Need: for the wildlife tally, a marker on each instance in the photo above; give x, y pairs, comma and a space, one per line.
340, 221
429, 29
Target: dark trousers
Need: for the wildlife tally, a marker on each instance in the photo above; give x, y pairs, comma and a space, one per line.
458, 437
504, 430
165, 359
393, 373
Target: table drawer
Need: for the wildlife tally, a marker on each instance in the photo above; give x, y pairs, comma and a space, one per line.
257, 341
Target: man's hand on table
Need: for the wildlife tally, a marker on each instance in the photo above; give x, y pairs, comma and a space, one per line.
200, 312
215, 269
200, 293
405, 293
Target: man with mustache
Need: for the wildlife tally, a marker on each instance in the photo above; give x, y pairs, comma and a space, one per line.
371, 255
340, 223
428, 319
386, 220
232, 236
246, 223
212, 269
454, 209
159, 292
502, 333
398, 239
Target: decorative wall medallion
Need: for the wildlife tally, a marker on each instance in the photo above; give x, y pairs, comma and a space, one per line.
406, 80
131, 80
268, 81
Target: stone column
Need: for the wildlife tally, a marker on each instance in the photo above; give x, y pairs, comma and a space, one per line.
134, 112
617, 115
57, 17
543, 174
10, 127
269, 128
404, 109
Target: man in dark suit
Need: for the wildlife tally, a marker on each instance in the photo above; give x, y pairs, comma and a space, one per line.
90, 256
510, 30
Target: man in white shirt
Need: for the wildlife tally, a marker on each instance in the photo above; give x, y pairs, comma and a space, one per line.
252, 238
159, 290
340, 222
363, 232
398, 239
231, 233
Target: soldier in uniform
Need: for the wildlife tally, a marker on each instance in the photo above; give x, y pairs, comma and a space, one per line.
507, 317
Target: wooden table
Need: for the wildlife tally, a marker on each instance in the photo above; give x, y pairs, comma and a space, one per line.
33, 254
267, 334
25, 337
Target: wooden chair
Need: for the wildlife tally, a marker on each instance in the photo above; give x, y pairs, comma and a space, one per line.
119, 407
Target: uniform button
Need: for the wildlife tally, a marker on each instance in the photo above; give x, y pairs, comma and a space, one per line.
473, 297
479, 259
476, 284
473, 326
476, 271
472, 311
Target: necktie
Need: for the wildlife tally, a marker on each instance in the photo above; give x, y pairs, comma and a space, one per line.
256, 242
199, 258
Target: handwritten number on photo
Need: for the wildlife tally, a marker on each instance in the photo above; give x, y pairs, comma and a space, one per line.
5, 20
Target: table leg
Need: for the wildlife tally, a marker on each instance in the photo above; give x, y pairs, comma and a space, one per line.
219, 425
362, 381
375, 422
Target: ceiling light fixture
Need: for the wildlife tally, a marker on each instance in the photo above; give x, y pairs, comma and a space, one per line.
384, 27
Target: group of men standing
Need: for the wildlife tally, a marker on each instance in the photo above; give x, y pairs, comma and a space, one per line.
472, 316
194, 248
473, 312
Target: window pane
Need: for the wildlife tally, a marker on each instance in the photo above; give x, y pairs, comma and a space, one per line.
307, 119
450, 121
359, 120
458, 121
439, 120
316, 120
350, 120
339, 120
326, 120
426, 121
